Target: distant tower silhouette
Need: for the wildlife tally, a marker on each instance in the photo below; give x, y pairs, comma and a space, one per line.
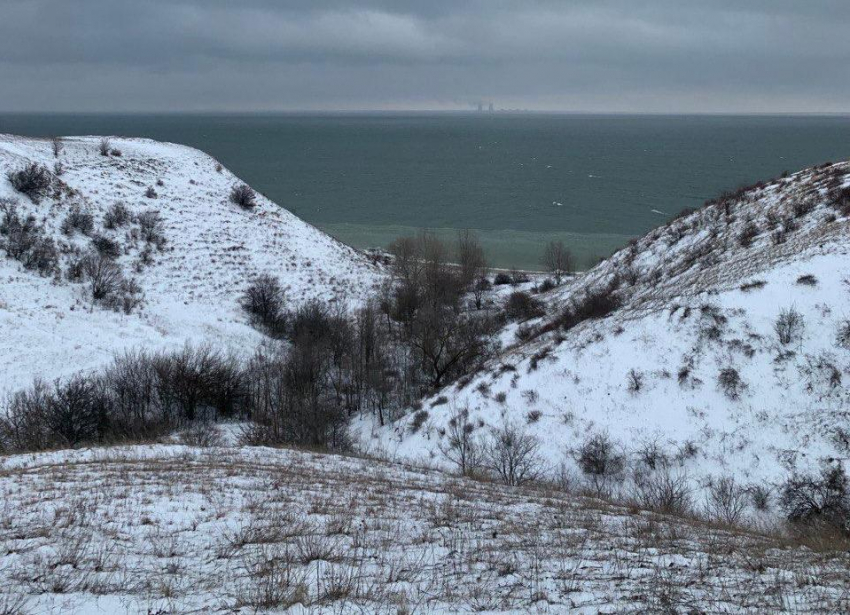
490, 108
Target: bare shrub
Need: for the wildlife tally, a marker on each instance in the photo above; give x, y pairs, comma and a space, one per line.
34, 180
513, 455
151, 193
594, 304
557, 260
418, 421
57, 146
116, 216
748, 234
472, 264
521, 306
151, 227
789, 326
243, 196
25, 241
78, 220
460, 446
820, 501
106, 247
726, 501
600, 463
730, 382
634, 381
104, 146
807, 280
502, 279
263, 300
202, 434
103, 275
842, 336
664, 490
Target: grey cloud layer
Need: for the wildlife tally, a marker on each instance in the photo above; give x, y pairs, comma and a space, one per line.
606, 55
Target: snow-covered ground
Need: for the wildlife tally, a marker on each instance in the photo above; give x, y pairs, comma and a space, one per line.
649, 375
174, 529
192, 287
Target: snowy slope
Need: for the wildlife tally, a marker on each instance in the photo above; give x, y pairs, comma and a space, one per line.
192, 287
175, 529
649, 374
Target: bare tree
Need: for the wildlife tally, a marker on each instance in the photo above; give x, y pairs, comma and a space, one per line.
557, 260
513, 454
56, 143
104, 147
472, 263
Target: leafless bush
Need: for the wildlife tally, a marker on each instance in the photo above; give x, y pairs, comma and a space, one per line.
25, 241
418, 421
807, 280
729, 381
34, 180
664, 490
57, 146
243, 196
151, 193
522, 306
842, 337
748, 234
600, 463
116, 216
513, 455
103, 275
104, 147
106, 247
151, 227
557, 260
203, 434
818, 500
460, 446
726, 502
78, 220
651, 455
263, 300
594, 304
634, 381
789, 326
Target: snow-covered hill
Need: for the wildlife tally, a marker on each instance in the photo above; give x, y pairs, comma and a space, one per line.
690, 367
177, 529
191, 286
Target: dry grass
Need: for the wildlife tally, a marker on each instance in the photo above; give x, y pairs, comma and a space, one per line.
175, 529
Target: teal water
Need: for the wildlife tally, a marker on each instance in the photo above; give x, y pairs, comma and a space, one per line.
520, 180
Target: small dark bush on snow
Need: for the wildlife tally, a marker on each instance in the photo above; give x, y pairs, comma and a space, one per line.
522, 306
818, 500
730, 383
106, 247
151, 227
597, 457
263, 300
244, 196
78, 220
789, 326
593, 305
501, 279
116, 216
33, 180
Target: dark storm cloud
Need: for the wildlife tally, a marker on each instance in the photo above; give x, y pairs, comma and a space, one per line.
604, 55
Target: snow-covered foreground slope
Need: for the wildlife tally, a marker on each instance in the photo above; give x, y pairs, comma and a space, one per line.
192, 286
658, 375
172, 529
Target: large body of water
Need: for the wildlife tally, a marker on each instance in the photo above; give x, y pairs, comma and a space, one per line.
520, 180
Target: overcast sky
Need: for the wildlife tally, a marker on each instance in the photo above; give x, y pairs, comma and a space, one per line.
580, 55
